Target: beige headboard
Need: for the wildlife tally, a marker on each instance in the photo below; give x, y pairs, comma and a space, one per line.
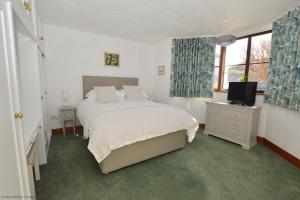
91, 81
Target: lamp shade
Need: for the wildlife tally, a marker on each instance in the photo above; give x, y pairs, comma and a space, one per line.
226, 40
66, 95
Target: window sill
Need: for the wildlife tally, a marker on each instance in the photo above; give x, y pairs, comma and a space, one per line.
226, 91
221, 91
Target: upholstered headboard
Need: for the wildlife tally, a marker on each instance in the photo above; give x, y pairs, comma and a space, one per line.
91, 81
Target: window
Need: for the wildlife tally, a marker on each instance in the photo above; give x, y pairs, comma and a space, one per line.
235, 62
217, 66
247, 57
259, 60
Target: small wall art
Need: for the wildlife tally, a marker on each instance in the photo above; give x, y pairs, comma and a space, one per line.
111, 59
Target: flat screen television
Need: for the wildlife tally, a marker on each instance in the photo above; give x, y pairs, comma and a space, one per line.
243, 93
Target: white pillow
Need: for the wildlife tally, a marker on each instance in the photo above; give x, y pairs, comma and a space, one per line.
106, 94
91, 95
145, 95
133, 92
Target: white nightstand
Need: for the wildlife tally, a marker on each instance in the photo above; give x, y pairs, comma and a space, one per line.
68, 113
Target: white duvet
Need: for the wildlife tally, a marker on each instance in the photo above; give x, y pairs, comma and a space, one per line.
113, 125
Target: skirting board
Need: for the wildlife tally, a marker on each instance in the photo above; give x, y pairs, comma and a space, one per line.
69, 130
202, 126
284, 154
289, 157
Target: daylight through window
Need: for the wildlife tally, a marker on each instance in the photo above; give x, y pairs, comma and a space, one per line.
247, 57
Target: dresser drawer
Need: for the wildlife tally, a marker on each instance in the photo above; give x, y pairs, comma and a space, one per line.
231, 128
228, 114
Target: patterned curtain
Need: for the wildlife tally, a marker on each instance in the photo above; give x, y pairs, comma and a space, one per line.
283, 88
192, 67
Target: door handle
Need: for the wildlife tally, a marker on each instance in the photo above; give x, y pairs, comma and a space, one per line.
19, 115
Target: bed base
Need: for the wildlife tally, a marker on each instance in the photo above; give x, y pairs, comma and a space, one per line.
143, 150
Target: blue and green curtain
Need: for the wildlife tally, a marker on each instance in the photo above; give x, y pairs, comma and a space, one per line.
283, 87
192, 67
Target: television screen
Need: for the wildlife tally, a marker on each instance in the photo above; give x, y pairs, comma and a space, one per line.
243, 93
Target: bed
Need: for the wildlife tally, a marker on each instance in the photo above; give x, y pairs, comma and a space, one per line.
124, 133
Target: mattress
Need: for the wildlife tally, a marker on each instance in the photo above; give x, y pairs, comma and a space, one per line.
111, 126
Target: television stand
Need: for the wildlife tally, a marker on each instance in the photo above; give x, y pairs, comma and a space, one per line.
238, 104
234, 103
234, 123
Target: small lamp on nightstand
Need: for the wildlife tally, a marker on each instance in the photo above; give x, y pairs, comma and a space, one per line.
66, 96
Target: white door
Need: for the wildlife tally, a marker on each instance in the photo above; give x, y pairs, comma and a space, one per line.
13, 168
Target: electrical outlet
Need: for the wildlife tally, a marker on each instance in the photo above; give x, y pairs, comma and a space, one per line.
188, 105
55, 117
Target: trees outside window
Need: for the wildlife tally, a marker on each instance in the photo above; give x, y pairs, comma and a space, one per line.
247, 57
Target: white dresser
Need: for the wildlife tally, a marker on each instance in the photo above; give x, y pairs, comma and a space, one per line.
235, 123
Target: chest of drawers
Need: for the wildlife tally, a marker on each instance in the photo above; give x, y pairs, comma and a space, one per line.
234, 123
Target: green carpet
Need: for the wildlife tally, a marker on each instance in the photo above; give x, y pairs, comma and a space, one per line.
208, 168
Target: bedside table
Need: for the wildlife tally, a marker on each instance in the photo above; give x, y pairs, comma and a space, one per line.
68, 113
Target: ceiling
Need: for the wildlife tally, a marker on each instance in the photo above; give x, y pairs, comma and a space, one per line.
153, 20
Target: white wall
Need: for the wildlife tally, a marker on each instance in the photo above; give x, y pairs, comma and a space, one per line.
283, 128
73, 53
278, 125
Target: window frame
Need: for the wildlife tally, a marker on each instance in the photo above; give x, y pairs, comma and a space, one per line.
247, 64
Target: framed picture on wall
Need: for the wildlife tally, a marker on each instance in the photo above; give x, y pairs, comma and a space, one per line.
111, 59
161, 70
